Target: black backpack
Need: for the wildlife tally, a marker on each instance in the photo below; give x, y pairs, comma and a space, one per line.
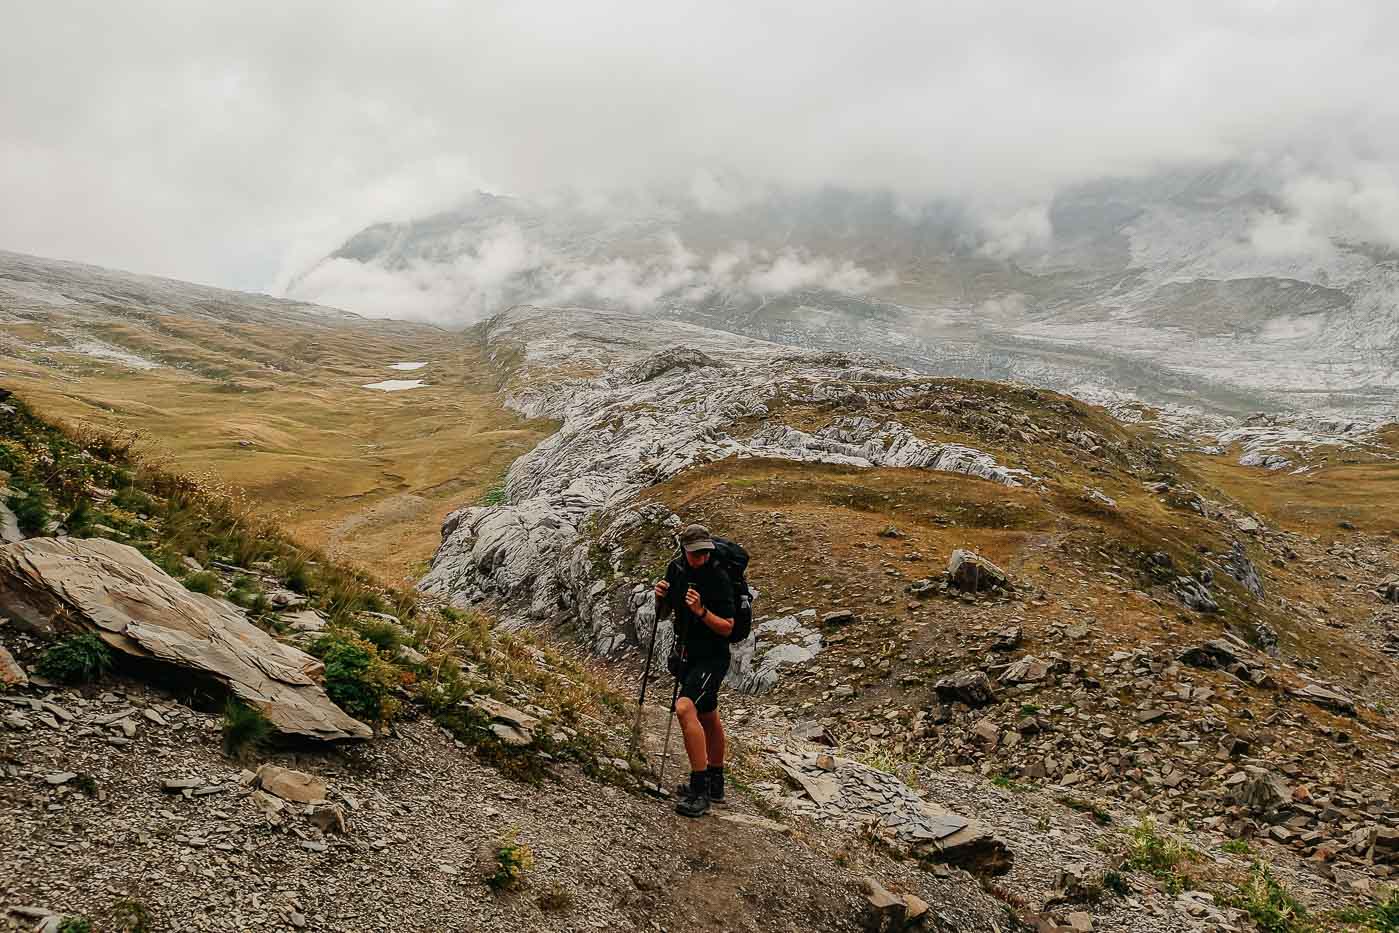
734, 561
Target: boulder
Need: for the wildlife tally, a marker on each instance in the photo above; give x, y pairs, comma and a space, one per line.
10, 532
1026, 670
1326, 697
293, 786
11, 674
970, 687
1261, 792
1195, 595
972, 573
814, 732
100, 586
965, 843
306, 620
510, 725
1240, 567
1389, 590
1216, 653
329, 818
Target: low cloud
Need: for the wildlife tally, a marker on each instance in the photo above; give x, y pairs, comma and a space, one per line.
1016, 232
507, 268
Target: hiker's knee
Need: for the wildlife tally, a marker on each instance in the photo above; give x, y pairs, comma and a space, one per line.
685, 709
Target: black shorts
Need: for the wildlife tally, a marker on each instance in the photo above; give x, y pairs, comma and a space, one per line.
701, 686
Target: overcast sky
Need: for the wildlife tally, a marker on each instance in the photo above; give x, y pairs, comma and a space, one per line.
223, 142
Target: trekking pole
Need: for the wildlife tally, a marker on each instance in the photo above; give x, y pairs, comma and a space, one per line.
665, 756
641, 699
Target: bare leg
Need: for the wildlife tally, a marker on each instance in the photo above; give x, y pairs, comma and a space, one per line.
714, 739
693, 733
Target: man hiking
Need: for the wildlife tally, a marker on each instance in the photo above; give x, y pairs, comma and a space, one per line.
700, 594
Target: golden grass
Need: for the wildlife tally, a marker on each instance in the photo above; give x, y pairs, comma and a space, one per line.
278, 410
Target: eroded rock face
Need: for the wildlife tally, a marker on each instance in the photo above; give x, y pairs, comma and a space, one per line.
639, 400
52, 585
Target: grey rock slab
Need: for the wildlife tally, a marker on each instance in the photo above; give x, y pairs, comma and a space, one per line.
139, 610
10, 532
821, 788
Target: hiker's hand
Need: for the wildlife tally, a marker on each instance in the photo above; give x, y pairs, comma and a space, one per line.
662, 589
692, 599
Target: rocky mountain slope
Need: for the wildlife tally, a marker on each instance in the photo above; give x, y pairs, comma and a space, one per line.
1202, 287
496, 792
1153, 628
1019, 662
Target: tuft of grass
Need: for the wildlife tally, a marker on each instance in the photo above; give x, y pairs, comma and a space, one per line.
1158, 855
1382, 916
1236, 847
382, 634
86, 783
555, 899
78, 924
76, 660
495, 495
1099, 815
1271, 906
1005, 782
512, 859
245, 729
131, 916
204, 582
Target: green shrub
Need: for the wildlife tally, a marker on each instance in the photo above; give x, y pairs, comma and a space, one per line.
76, 660
356, 678
203, 581
31, 510
1236, 847
1271, 906
75, 925
79, 520
512, 859
245, 729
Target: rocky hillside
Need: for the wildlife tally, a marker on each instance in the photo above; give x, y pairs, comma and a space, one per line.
206, 725
998, 594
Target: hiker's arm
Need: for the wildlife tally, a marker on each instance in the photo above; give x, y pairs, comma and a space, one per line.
719, 624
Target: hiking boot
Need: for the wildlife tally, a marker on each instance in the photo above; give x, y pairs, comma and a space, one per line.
716, 785
693, 803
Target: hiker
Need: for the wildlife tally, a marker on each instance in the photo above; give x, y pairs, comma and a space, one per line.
701, 595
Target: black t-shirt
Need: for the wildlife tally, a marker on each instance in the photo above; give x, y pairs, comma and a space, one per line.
701, 644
